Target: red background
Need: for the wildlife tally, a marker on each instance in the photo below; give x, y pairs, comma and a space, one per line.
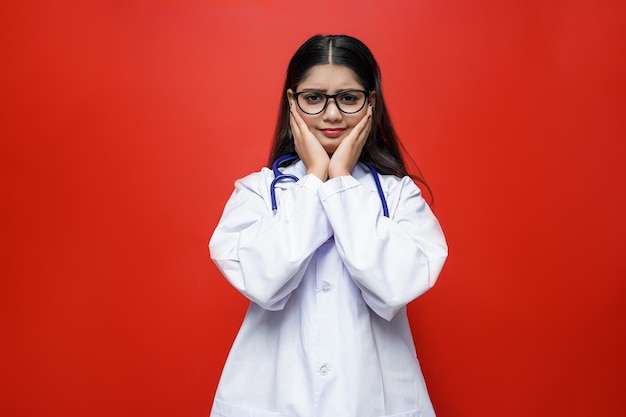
124, 125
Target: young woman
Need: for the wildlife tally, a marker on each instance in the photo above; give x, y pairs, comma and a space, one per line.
329, 248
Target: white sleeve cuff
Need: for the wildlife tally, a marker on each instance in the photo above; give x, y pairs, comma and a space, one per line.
336, 185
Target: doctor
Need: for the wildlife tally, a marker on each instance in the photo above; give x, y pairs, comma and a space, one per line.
328, 275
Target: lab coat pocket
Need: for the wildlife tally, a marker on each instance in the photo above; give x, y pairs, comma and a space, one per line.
224, 409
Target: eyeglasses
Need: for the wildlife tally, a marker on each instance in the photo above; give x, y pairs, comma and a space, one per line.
348, 101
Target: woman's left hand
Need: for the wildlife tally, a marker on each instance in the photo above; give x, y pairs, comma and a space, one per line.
349, 150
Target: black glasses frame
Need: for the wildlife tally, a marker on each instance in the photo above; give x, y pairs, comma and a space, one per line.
334, 97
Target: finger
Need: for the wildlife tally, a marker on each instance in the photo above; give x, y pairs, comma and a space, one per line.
360, 132
364, 126
367, 129
298, 119
366, 121
295, 129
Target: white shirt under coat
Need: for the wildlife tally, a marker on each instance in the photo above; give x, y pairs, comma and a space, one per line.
328, 276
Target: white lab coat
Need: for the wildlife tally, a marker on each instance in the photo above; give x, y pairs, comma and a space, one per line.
328, 276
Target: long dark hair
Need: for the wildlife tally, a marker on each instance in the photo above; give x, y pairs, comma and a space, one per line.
382, 148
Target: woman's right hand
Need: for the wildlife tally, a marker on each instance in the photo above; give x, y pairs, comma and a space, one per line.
307, 146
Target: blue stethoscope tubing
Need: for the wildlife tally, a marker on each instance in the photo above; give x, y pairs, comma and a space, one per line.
279, 176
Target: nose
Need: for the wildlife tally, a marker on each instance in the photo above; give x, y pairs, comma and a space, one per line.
332, 112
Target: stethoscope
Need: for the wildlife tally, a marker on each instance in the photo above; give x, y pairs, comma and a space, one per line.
279, 176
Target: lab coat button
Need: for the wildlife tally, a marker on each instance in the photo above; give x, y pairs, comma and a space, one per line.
324, 370
326, 287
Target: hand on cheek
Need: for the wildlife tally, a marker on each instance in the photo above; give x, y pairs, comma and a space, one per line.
347, 154
307, 146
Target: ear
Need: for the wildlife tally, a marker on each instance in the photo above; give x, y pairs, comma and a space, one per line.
372, 98
289, 95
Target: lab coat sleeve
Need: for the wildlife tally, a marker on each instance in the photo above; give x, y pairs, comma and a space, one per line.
264, 254
392, 260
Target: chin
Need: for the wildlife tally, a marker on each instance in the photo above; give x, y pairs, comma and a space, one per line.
331, 145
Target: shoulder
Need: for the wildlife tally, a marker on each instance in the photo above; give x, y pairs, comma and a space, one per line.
252, 184
255, 179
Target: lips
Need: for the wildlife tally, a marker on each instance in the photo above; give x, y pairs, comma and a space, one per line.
332, 133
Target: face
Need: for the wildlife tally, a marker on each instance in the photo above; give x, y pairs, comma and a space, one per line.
330, 126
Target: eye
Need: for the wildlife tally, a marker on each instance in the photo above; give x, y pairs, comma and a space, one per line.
347, 98
351, 98
312, 98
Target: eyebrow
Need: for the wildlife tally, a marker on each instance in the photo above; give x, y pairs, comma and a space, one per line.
321, 90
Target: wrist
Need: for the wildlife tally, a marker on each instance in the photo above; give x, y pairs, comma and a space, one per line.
337, 172
320, 173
